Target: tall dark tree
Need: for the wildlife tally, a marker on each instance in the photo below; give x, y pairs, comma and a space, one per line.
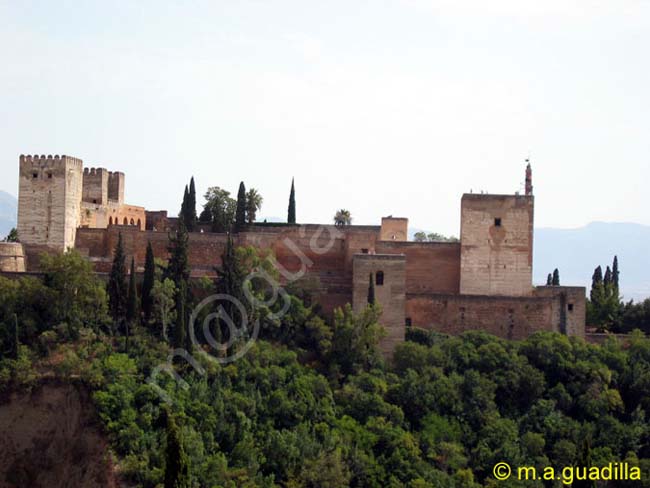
556, 277
607, 281
615, 275
596, 285
191, 218
178, 270
182, 215
117, 287
240, 211
371, 290
549, 279
291, 216
147, 283
177, 472
132, 309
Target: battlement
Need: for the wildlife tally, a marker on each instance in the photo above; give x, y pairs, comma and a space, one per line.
49, 160
95, 171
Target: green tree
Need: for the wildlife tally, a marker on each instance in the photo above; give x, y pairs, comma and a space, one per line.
117, 286
342, 217
597, 286
16, 342
219, 209
371, 290
556, 277
190, 220
240, 212
253, 204
177, 472
549, 279
615, 275
148, 282
178, 270
291, 215
182, 215
12, 236
132, 310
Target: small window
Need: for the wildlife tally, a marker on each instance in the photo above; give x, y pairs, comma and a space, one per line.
379, 278
94, 200
110, 221
34, 175
139, 223
408, 322
497, 222
132, 222
126, 222
49, 176
364, 251
570, 307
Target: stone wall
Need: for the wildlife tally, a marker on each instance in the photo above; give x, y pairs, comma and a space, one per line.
496, 245
390, 292
116, 187
12, 257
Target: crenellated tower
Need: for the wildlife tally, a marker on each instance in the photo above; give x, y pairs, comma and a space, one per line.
49, 198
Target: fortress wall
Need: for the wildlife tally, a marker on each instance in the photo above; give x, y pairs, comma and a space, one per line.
431, 267
507, 317
95, 186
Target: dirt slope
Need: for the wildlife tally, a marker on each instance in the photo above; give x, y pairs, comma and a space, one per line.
50, 438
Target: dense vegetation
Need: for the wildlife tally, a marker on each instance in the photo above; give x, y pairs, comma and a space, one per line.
312, 404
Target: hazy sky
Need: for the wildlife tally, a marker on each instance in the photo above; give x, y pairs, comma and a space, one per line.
381, 107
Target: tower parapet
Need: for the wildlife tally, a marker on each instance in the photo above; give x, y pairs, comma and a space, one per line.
116, 186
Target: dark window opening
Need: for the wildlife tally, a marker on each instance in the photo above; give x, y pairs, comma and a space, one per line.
35, 175
364, 251
94, 200
408, 321
126, 222
570, 307
132, 222
110, 221
379, 278
49, 175
497, 222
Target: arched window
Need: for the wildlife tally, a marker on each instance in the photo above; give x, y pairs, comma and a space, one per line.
110, 221
132, 222
126, 222
139, 224
379, 278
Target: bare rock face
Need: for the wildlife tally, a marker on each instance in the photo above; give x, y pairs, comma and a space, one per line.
51, 438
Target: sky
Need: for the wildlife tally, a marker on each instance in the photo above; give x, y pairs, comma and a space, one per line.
380, 107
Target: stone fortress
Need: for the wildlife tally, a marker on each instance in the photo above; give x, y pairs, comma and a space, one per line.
482, 282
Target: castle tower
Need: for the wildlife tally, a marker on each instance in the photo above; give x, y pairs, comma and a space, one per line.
529, 179
496, 252
49, 200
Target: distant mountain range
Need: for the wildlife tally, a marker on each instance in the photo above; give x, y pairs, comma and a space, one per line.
8, 212
575, 252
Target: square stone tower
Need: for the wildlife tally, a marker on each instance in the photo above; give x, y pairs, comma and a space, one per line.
496, 254
49, 200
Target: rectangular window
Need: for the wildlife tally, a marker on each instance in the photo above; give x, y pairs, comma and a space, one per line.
570, 307
34, 175
364, 251
497, 222
408, 322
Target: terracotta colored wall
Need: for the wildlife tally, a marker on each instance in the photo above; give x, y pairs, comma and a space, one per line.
431, 267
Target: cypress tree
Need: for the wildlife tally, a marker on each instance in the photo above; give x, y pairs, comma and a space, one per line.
132, 302
615, 275
178, 270
556, 277
191, 208
371, 290
240, 212
176, 460
291, 217
549, 279
596, 285
147, 283
182, 215
117, 288
607, 281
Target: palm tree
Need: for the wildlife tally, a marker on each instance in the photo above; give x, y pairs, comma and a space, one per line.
253, 204
342, 217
